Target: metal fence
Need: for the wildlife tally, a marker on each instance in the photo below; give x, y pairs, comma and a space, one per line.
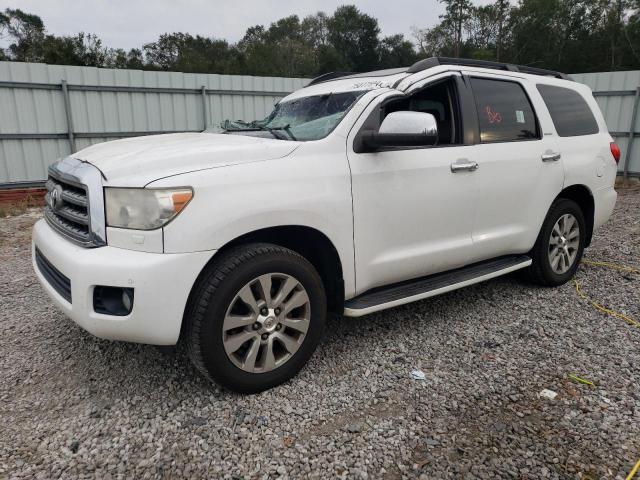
50, 111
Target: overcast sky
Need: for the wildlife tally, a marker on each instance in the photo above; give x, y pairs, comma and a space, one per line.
131, 23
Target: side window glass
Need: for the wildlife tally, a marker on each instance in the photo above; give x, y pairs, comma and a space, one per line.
505, 113
570, 113
439, 101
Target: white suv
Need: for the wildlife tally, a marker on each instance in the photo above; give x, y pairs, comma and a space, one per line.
358, 193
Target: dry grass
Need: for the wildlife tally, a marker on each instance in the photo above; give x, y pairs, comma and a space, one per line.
632, 184
18, 207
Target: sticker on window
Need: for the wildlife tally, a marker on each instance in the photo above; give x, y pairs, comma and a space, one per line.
493, 117
520, 116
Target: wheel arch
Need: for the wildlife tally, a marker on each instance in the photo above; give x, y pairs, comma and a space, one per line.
307, 241
581, 194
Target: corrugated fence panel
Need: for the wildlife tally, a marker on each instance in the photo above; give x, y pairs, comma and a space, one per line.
618, 108
102, 110
98, 109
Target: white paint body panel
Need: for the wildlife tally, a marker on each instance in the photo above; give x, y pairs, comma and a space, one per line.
514, 187
161, 284
311, 189
409, 212
141, 240
391, 216
135, 162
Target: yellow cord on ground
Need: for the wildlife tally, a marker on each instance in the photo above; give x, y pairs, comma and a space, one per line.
602, 309
633, 471
610, 265
596, 305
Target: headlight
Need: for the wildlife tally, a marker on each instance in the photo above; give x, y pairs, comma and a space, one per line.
144, 209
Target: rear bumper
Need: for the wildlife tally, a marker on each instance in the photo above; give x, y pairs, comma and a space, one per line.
604, 200
161, 283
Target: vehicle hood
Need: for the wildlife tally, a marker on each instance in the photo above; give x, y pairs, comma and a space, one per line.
141, 160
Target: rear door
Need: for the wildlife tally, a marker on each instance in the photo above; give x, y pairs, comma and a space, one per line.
519, 165
586, 151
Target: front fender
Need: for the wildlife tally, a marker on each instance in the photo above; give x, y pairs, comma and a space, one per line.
312, 190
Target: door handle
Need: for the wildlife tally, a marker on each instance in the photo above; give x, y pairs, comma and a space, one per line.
464, 165
551, 157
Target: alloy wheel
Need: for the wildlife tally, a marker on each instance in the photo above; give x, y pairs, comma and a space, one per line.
266, 322
564, 243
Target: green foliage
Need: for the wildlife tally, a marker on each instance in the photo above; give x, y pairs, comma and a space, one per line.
395, 51
458, 12
285, 48
185, 53
27, 31
354, 36
567, 35
81, 49
586, 35
118, 58
4, 23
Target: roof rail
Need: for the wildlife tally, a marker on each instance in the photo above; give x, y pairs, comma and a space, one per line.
435, 61
328, 76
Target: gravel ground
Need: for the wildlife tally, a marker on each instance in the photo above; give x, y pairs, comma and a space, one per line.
76, 406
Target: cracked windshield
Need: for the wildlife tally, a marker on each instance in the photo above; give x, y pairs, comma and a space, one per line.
303, 119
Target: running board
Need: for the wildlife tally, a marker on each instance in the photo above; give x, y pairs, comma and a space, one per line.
413, 290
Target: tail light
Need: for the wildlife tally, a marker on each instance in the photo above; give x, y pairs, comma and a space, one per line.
615, 151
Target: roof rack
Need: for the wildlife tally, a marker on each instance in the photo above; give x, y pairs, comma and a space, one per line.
435, 61
328, 76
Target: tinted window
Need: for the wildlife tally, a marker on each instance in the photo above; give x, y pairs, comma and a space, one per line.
504, 111
570, 113
439, 101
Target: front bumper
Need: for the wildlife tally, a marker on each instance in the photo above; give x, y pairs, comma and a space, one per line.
161, 282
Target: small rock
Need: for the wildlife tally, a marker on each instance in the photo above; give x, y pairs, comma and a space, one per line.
550, 394
354, 428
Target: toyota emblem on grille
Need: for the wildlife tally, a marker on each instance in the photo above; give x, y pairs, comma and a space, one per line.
55, 197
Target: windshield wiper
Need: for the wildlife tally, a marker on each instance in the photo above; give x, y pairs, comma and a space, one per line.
271, 130
252, 129
286, 128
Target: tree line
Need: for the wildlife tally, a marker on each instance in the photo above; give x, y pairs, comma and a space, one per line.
566, 35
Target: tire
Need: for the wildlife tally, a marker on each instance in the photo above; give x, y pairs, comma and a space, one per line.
545, 269
218, 304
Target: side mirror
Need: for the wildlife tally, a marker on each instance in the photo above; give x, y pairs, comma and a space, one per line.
403, 129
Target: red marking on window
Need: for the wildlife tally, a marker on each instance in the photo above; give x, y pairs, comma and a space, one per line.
494, 117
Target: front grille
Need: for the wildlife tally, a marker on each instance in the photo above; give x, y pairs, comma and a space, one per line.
56, 279
67, 209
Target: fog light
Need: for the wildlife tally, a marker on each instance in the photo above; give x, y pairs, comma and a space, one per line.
116, 301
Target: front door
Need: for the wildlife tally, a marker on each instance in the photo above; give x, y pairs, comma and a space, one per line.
413, 215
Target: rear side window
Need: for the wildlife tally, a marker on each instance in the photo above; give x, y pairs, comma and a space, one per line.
570, 113
504, 111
